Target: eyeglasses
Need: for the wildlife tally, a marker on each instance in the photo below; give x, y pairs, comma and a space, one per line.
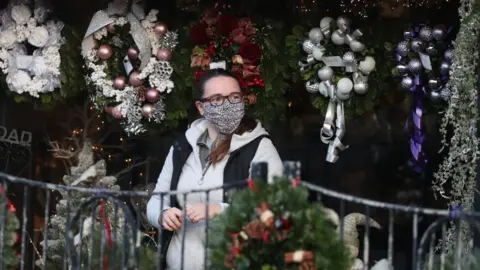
218, 100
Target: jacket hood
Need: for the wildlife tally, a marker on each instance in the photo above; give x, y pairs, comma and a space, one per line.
199, 126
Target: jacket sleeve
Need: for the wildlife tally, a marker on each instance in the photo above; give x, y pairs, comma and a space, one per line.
267, 152
163, 185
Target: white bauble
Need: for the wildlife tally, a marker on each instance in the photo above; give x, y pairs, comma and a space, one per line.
381, 265
38, 37
315, 35
308, 46
8, 39
318, 54
21, 14
325, 73
344, 87
325, 22
357, 46
367, 65
358, 265
18, 81
337, 38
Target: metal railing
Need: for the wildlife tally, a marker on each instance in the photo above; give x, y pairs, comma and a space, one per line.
411, 237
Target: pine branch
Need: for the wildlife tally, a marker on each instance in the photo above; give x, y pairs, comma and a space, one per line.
133, 166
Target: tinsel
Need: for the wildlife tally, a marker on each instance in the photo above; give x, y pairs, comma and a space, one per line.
459, 166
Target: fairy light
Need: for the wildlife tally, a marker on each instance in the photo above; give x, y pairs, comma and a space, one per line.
360, 7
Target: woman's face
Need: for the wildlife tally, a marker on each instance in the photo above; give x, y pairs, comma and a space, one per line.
219, 90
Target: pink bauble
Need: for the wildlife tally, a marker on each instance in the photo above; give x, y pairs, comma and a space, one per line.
152, 95
134, 79
111, 28
164, 54
132, 54
108, 109
161, 29
116, 113
119, 82
104, 51
147, 110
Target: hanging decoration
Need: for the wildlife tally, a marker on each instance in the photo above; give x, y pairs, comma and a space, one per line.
30, 49
127, 54
424, 60
352, 67
248, 50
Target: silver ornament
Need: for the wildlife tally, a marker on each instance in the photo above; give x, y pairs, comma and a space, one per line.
360, 88
448, 55
444, 68
401, 69
343, 23
338, 38
350, 61
407, 82
440, 95
325, 73
431, 50
415, 66
402, 48
417, 45
308, 46
433, 83
312, 87
357, 46
408, 34
438, 32
326, 22
315, 35
426, 33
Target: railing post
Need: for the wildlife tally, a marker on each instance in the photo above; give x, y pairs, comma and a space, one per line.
292, 169
260, 171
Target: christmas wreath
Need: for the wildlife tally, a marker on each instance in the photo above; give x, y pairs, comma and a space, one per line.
10, 235
275, 227
120, 43
249, 50
34, 52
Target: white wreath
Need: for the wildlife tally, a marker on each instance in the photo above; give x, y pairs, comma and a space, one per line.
157, 73
36, 73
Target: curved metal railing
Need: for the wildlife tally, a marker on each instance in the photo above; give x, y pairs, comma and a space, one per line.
415, 242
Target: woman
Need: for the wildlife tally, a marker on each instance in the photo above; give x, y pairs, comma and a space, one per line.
215, 150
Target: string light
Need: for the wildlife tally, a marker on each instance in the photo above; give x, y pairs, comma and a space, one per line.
360, 7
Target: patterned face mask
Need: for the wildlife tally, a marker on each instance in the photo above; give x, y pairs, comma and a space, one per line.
226, 117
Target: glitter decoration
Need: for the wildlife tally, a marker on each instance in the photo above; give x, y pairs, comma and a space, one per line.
146, 73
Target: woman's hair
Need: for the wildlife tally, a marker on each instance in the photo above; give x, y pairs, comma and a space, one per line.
247, 124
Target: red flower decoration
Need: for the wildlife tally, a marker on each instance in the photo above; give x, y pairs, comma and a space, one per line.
198, 34
226, 24
238, 35
211, 16
251, 52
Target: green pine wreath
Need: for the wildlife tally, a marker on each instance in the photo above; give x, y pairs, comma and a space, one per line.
268, 224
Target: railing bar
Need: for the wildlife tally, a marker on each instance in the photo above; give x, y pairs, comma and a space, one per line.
366, 239
45, 226
458, 245
140, 236
124, 260
414, 240
26, 200
443, 248
81, 242
159, 237
92, 231
391, 232
207, 221
3, 219
184, 231
431, 251
103, 216
342, 216
114, 238
68, 220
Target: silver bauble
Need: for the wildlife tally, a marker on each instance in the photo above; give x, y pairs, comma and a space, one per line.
444, 68
440, 95
433, 83
438, 32
448, 55
338, 38
325, 73
426, 33
360, 88
326, 22
308, 46
312, 87
402, 48
401, 69
357, 46
407, 82
315, 35
348, 58
417, 45
408, 34
415, 66
318, 53
343, 23
431, 50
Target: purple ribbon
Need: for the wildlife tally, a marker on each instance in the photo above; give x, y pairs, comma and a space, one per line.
456, 211
417, 137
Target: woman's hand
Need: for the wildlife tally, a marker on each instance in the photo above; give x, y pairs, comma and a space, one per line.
172, 219
196, 212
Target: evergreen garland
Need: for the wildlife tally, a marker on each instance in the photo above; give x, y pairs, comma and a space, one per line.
10, 235
268, 225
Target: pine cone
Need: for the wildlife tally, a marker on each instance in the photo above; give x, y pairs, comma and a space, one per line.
307, 265
255, 229
141, 93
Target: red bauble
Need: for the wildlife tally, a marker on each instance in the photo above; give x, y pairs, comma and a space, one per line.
134, 79
164, 54
104, 51
152, 95
132, 54
161, 29
147, 110
119, 82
